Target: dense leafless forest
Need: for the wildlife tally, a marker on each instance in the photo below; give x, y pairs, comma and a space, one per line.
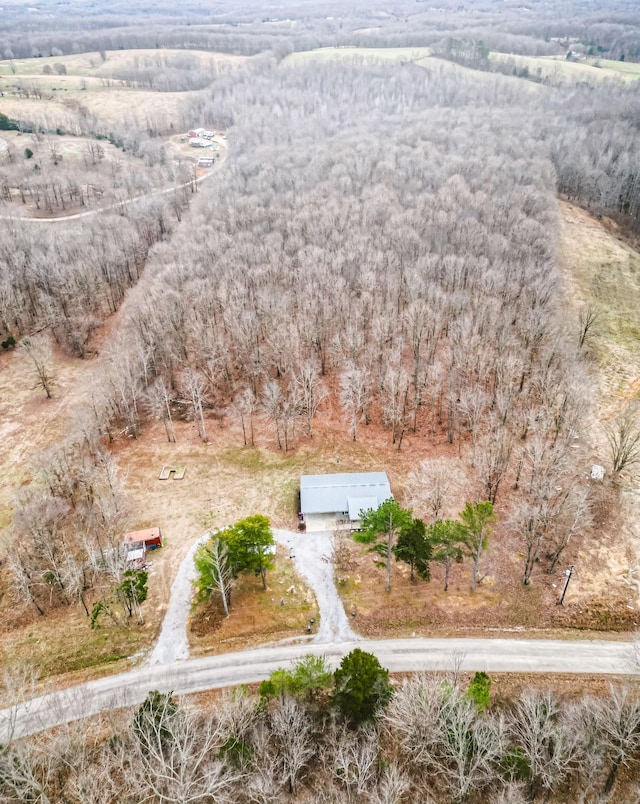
435, 742
382, 242
381, 245
253, 28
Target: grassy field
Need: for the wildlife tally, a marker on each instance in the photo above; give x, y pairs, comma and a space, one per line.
92, 65
361, 54
557, 70
89, 88
604, 272
625, 68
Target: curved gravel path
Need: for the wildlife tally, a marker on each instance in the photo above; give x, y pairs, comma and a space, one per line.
173, 642
313, 555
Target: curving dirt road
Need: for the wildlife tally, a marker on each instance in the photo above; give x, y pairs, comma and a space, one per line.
245, 667
168, 668
118, 205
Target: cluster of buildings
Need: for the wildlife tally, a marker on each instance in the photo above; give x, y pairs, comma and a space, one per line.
136, 544
202, 138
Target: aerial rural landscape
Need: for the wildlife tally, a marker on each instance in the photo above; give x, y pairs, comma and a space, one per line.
320, 402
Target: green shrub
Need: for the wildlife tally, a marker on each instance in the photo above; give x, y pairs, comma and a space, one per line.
362, 686
479, 691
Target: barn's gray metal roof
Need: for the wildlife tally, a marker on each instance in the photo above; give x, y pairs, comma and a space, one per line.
328, 494
359, 504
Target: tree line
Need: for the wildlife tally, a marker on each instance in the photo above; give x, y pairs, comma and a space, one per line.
311, 734
393, 531
253, 29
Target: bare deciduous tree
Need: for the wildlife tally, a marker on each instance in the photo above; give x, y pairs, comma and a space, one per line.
292, 728
39, 352
618, 718
175, 755
158, 403
354, 757
245, 403
540, 729
393, 786
395, 402
272, 403
623, 435
430, 485
354, 396
193, 385
588, 319
312, 391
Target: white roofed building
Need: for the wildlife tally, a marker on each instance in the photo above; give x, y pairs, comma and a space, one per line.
325, 499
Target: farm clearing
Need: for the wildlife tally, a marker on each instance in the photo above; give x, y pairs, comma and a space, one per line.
227, 481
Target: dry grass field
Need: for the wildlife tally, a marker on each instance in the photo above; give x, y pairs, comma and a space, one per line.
625, 68
557, 70
604, 272
360, 54
89, 87
92, 64
221, 479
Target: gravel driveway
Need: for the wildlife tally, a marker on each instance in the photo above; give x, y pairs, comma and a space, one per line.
314, 562
173, 642
313, 554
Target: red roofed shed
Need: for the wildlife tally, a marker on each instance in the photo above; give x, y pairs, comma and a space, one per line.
151, 537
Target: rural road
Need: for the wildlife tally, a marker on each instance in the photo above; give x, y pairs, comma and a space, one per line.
244, 667
118, 205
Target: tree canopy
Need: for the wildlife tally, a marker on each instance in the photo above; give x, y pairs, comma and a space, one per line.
244, 547
446, 539
306, 679
413, 547
362, 686
249, 542
379, 528
476, 520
